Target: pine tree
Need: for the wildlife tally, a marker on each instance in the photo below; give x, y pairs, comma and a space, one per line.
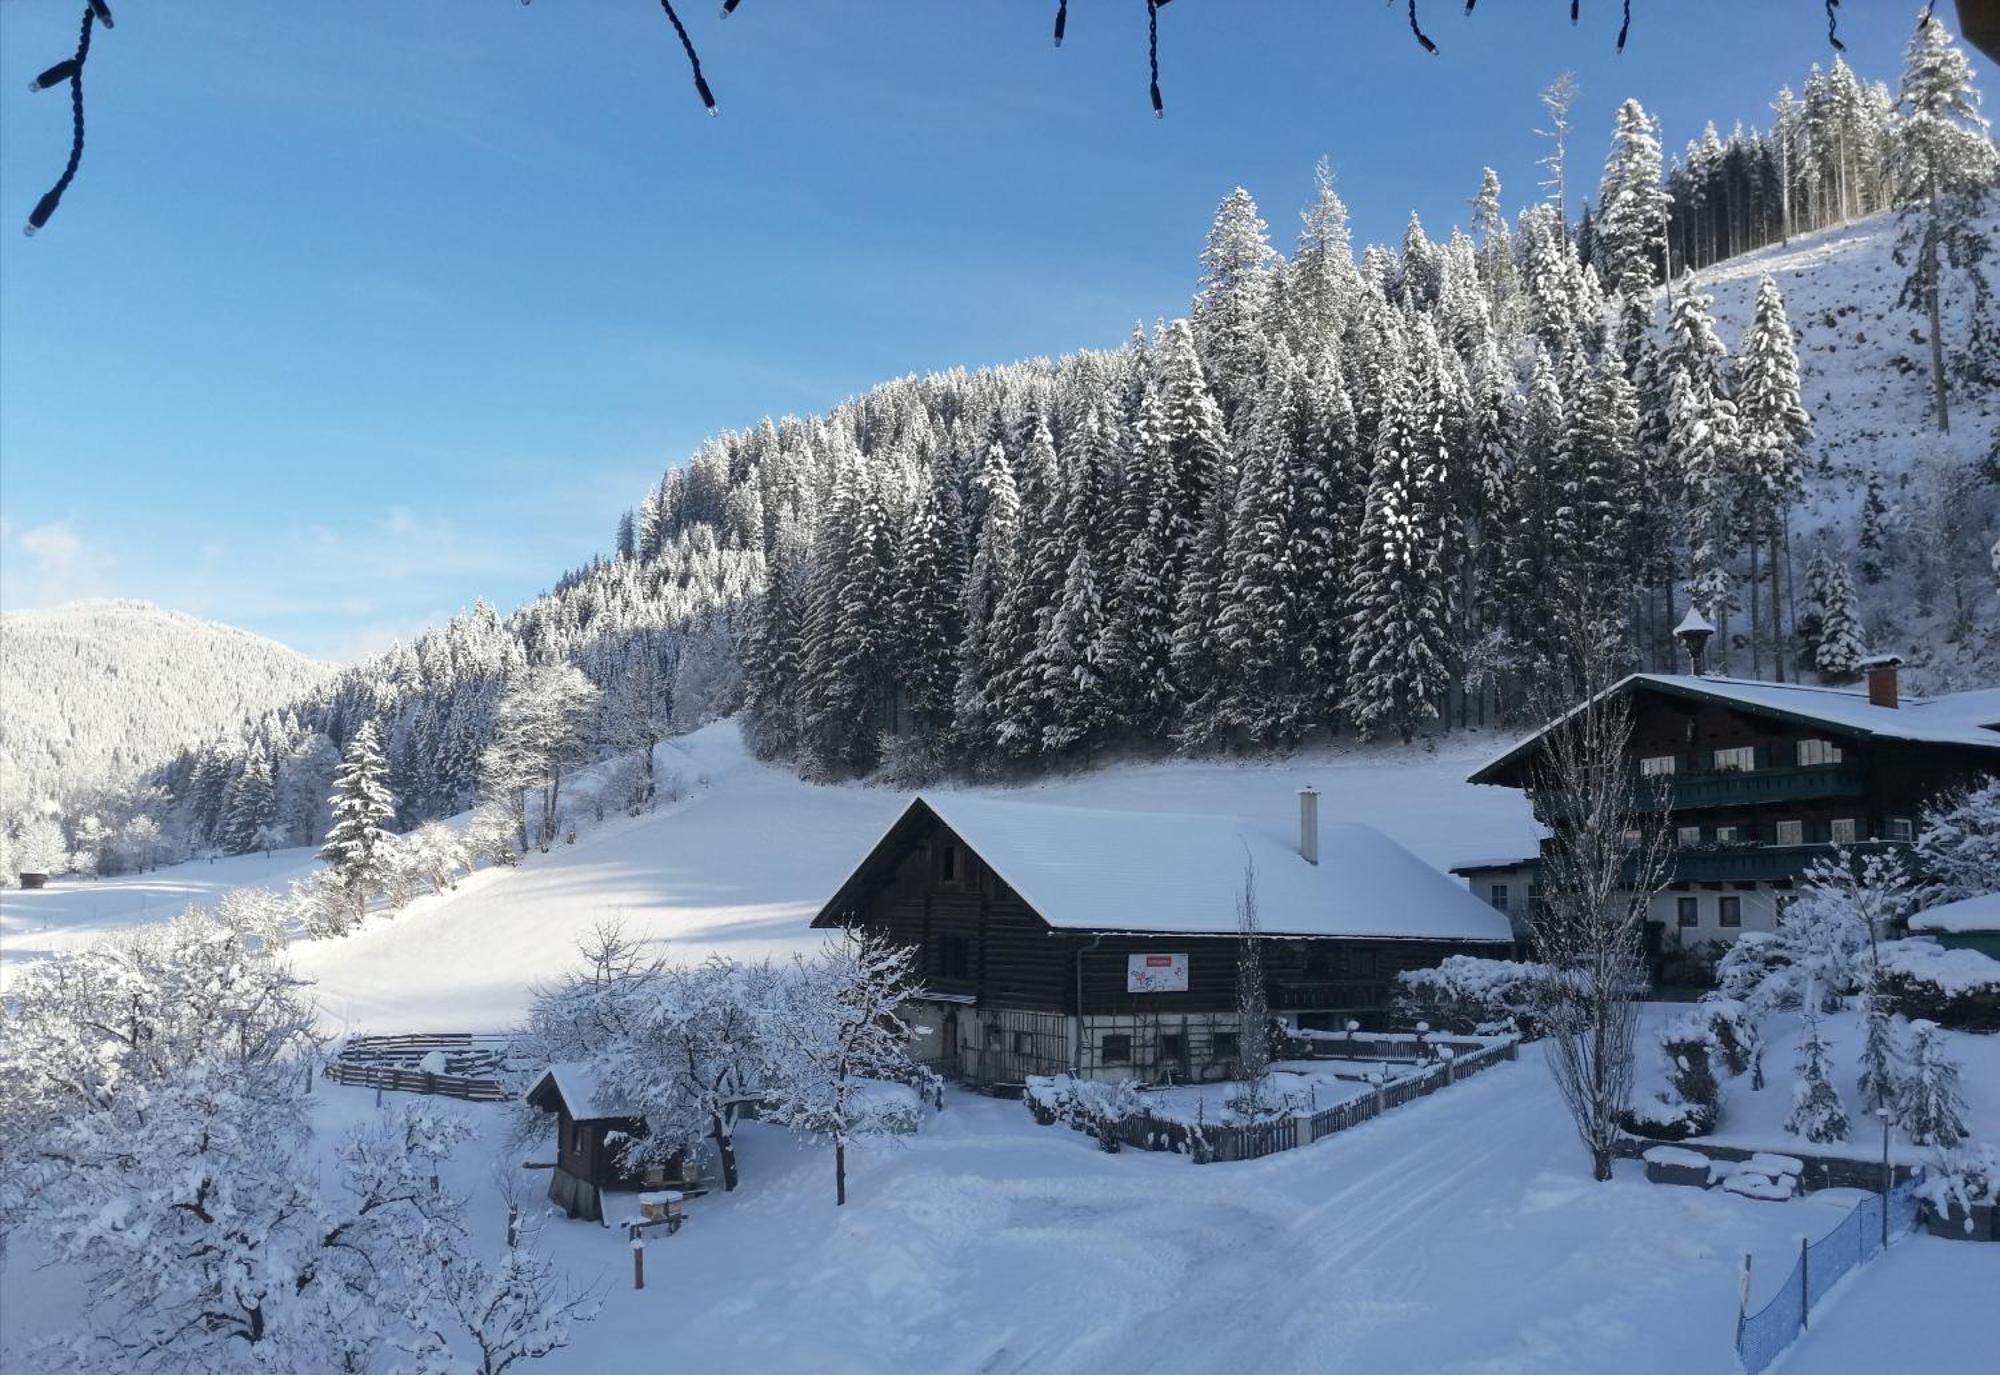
1774, 427
1841, 648
1633, 205
1704, 445
1321, 281
1229, 309
1882, 1068
1816, 1114
1400, 602
1873, 537
1076, 708
1933, 1111
356, 846
1945, 166
924, 614
253, 808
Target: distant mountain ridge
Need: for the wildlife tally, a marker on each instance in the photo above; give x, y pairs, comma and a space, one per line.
99, 690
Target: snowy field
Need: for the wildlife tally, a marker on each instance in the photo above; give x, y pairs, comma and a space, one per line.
1459, 1235
739, 866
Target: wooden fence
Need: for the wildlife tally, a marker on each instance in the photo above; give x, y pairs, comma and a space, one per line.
474, 1064
1253, 1140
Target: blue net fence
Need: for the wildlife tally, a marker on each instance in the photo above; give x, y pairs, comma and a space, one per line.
1817, 1267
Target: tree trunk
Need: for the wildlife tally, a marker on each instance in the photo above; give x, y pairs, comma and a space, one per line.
725, 1151
1778, 646
1756, 614
839, 1173
1931, 305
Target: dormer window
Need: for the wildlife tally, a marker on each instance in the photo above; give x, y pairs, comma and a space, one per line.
1741, 757
1818, 752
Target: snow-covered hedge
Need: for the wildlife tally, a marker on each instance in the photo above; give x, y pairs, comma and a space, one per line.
1468, 995
1964, 1179
1661, 1119
1954, 988
1115, 1113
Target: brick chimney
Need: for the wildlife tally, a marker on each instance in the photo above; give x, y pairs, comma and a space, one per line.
1309, 824
1882, 686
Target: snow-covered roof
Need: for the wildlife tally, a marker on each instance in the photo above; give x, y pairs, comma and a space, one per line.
1967, 914
1089, 869
1958, 718
582, 1089
1694, 621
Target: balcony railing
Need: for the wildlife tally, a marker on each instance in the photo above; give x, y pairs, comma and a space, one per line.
1765, 863
1730, 788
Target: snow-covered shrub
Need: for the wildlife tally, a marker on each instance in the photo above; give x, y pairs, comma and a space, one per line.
1958, 846
1466, 995
1954, 988
1732, 1027
1959, 1180
431, 857
261, 917
1932, 1110
1882, 1060
321, 905
1757, 971
1661, 1118
1687, 1045
1817, 1113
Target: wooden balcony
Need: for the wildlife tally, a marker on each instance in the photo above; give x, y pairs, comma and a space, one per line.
1762, 863
1686, 792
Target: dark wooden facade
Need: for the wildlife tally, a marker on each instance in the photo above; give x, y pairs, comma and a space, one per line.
1009, 986
589, 1155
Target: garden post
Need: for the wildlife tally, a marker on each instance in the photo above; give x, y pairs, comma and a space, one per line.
638, 1260
1887, 1177
1805, 1283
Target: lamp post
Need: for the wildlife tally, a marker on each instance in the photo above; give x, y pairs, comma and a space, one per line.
1883, 1113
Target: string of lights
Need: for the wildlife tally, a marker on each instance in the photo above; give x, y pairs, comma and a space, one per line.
70, 70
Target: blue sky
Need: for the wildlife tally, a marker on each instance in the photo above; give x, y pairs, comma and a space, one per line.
360, 311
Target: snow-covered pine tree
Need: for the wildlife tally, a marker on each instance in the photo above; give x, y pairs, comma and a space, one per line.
1704, 445
1841, 648
355, 848
1321, 281
1774, 428
1633, 204
637, 712
1933, 1109
253, 808
771, 651
1229, 309
1883, 1067
1945, 166
1399, 608
924, 615
1873, 537
1817, 1113
1077, 705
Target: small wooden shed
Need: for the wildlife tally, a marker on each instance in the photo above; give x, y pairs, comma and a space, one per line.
588, 1132
593, 1128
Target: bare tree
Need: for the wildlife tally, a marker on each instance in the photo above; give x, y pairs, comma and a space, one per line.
1600, 868
1253, 1009
1556, 98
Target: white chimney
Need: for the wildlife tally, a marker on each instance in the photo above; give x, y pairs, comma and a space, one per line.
1309, 824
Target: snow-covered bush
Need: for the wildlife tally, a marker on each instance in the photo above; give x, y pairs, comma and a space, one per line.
1687, 1045
1661, 1118
261, 917
1735, 1031
1933, 1112
1958, 845
1116, 1113
430, 858
1758, 972
1882, 1059
1961, 1179
1467, 995
1954, 988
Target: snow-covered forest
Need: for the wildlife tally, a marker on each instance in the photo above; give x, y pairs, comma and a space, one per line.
1341, 496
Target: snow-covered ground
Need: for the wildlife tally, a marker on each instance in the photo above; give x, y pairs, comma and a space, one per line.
1459, 1235
739, 866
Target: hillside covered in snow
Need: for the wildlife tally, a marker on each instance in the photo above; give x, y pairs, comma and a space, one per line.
98, 692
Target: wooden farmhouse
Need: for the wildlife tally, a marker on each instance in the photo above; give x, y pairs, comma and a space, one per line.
1055, 937
592, 1131
1758, 780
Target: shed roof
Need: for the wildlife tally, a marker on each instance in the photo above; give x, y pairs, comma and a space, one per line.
1956, 719
1967, 914
582, 1090
1091, 869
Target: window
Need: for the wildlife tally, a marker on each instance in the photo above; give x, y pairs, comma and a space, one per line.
1729, 911
1116, 1048
993, 1035
1497, 895
1840, 831
1688, 835
1742, 757
1728, 835
1173, 1047
1791, 832
1902, 828
951, 866
1024, 1043
1818, 752
1653, 765
1227, 1045
1688, 911
954, 956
